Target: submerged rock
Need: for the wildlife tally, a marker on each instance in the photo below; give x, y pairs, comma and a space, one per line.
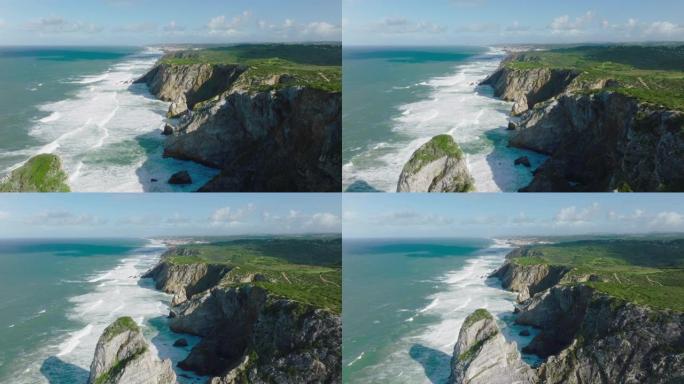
361, 186
180, 178
41, 173
180, 343
482, 355
523, 160
123, 356
168, 130
437, 166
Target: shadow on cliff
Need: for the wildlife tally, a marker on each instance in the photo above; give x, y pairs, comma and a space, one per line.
57, 371
436, 364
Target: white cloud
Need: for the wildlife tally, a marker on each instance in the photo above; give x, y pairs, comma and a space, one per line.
297, 220
173, 27
56, 24
325, 220
291, 28
400, 26
522, 218
664, 29
565, 25
323, 29
228, 215
668, 220
517, 27
61, 218
411, 218
637, 215
576, 216
232, 26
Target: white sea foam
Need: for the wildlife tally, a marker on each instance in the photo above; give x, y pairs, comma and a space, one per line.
456, 105
107, 134
124, 294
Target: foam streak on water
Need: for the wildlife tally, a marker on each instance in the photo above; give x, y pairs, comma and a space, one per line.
107, 134
458, 106
115, 293
424, 356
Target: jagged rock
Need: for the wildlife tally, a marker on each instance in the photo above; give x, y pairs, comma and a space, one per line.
528, 280
437, 166
41, 173
482, 355
361, 186
511, 126
179, 178
185, 279
178, 107
168, 130
123, 356
232, 127
524, 160
180, 343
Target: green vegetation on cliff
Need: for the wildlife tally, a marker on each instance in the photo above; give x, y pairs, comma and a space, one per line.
647, 272
305, 269
480, 314
311, 65
42, 173
121, 325
653, 74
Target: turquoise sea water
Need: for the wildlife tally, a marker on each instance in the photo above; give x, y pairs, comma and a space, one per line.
396, 99
80, 104
56, 297
404, 302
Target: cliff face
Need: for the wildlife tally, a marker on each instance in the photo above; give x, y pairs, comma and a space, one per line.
437, 166
265, 134
589, 337
528, 280
482, 355
597, 140
123, 356
251, 336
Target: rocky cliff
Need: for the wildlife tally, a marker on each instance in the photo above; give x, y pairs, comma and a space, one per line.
482, 355
123, 356
437, 166
264, 133
587, 336
250, 335
41, 173
597, 139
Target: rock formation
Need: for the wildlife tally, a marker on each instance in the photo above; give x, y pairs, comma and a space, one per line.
597, 140
437, 166
249, 335
586, 336
41, 173
482, 355
123, 356
264, 134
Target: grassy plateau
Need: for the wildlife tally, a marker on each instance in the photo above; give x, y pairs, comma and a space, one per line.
650, 73
646, 272
305, 269
312, 65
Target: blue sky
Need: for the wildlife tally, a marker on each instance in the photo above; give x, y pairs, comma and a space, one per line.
491, 215
143, 215
473, 22
139, 22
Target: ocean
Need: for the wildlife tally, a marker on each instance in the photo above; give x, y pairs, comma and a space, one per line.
396, 99
80, 104
405, 300
57, 296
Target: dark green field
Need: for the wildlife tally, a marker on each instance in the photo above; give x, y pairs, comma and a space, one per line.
647, 272
303, 269
651, 73
312, 65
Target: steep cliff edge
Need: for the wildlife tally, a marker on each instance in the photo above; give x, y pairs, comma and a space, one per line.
269, 125
437, 166
123, 356
606, 126
586, 334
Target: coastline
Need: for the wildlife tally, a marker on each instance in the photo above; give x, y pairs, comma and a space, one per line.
114, 292
454, 104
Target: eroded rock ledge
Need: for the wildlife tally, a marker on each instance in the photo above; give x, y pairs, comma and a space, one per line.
586, 336
597, 140
264, 134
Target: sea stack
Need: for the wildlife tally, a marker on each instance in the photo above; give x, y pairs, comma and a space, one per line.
437, 166
482, 355
123, 356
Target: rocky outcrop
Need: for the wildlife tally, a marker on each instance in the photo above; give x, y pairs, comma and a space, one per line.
248, 334
586, 336
123, 356
437, 166
527, 87
597, 140
604, 142
41, 173
482, 355
264, 134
